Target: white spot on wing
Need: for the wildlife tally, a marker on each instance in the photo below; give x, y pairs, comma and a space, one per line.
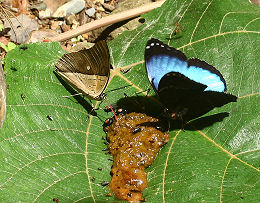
209, 77
215, 84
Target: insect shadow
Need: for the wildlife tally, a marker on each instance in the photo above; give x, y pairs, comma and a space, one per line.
79, 98
147, 105
105, 34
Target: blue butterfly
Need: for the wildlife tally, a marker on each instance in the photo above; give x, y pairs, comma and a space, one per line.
188, 88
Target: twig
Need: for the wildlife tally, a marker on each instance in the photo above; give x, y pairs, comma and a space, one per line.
107, 21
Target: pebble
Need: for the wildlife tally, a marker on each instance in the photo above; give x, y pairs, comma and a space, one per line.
74, 6
99, 1
91, 12
65, 27
45, 13
90, 3
71, 19
108, 7
55, 25
98, 16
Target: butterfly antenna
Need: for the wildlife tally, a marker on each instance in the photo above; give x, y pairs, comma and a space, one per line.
73, 95
146, 94
169, 125
183, 123
109, 105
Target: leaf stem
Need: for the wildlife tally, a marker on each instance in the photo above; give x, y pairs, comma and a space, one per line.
107, 21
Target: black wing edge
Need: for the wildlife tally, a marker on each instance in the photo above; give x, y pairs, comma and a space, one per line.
206, 102
222, 97
161, 48
204, 65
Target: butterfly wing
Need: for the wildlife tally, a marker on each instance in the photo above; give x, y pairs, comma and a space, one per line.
188, 103
187, 88
174, 88
203, 73
161, 59
87, 70
204, 102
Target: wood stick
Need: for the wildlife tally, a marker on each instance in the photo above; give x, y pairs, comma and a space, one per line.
107, 21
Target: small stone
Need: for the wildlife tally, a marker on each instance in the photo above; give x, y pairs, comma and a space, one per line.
108, 7
85, 36
55, 25
91, 12
45, 14
40, 6
98, 16
100, 9
65, 27
71, 19
99, 1
74, 6
90, 3
75, 25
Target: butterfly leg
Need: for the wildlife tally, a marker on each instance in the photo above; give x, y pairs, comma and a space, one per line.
92, 111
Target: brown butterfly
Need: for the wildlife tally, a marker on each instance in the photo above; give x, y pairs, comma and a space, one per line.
87, 70
2, 96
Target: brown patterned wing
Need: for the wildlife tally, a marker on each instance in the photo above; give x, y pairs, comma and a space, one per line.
87, 70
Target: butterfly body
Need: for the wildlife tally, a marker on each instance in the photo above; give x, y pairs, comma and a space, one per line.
188, 88
87, 70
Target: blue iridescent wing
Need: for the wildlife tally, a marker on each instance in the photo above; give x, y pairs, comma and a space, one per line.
203, 73
161, 59
188, 88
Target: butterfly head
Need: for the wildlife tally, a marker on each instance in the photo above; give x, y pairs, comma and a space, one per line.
100, 97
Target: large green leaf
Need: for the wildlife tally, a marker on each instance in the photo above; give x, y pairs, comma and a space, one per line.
42, 159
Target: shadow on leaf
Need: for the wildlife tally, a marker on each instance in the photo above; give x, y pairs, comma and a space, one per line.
79, 98
147, 105
206, 121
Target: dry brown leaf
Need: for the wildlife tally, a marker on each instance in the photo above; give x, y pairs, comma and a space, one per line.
21, 5
4, 40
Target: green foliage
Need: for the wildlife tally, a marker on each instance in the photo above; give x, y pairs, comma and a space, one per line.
42, 159
10, 46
